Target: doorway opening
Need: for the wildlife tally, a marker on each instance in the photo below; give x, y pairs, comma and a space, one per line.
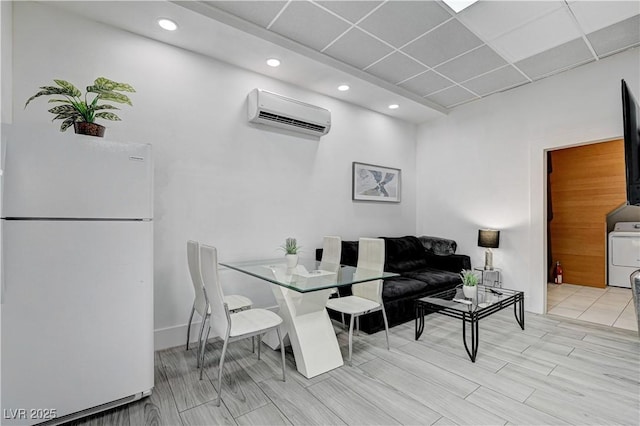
584, 184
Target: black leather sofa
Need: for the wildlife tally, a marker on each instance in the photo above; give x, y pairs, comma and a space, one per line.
426, 265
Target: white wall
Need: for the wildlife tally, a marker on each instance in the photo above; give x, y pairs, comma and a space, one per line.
484, 164
217, 178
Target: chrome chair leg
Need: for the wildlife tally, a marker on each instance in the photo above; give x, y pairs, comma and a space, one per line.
350, 338
344, 325
259, 345
200, 344
193, 309
224, 351
201, 355
386, 327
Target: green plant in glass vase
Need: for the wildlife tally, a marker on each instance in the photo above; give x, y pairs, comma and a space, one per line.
77, 108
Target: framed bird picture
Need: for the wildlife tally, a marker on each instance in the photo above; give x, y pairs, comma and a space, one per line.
375, 183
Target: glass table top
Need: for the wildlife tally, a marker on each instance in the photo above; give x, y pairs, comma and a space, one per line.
487, 297
309, 275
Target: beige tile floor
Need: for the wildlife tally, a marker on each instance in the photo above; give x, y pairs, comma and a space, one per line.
612, 306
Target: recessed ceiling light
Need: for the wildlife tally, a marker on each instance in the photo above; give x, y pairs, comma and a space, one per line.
394, 106
459, 5
343, 87
273, 62
167, 24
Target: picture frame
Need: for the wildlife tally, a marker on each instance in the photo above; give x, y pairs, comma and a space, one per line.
375, 183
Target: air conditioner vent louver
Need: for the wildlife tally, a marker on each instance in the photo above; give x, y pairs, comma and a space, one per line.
290, 121
279, 111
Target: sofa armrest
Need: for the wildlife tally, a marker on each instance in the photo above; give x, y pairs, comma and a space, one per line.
452, 263
439, 246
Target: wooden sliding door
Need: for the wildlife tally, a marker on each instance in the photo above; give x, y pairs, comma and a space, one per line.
586, 183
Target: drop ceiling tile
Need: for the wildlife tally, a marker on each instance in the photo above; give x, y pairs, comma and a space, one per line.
537, 36
557, 59
399, 22
308, 24
258, 12
426, 83
396, 67
471, 64
353, 11
495, 81
616, 37
358, 49
443, 43
451, 96
595, 15
489, 19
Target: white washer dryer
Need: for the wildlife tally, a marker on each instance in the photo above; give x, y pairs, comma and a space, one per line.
624, 253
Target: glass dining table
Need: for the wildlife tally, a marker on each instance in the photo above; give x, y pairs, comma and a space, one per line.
302, 293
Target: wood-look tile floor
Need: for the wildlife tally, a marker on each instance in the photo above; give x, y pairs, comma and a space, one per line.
557, 371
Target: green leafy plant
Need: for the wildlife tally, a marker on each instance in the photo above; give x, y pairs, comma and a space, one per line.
290, 246
469, 278
77, 108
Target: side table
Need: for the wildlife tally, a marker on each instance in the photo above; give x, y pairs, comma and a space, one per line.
490, 277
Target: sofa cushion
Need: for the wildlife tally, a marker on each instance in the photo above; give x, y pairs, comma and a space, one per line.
402, 287
438, 246
402, 266
435, 279
453, 262
404, 254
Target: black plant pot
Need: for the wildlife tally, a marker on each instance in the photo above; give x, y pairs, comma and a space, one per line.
91, 129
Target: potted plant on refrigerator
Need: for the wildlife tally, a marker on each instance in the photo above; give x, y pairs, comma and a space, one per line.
81, 112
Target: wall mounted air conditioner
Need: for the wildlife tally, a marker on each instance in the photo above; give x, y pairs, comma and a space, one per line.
275, 110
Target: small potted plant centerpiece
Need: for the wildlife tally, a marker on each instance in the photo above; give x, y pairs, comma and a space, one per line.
78, 111
291, 249
469, 284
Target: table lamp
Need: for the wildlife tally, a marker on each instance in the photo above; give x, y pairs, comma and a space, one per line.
488, 238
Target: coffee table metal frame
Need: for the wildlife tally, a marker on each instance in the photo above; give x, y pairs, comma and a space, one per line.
443, 304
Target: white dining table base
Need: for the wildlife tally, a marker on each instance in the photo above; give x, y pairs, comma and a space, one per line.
308, 326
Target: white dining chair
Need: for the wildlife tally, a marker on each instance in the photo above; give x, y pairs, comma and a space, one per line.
330, 261
229, 326
331, 252
200, 305
367, 296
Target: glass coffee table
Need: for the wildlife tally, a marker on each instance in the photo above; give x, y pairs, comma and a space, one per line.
452, 303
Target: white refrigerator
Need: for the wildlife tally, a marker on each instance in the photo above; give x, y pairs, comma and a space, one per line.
77, 274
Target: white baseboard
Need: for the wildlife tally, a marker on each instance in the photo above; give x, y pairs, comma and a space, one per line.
170, 337
175, 336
